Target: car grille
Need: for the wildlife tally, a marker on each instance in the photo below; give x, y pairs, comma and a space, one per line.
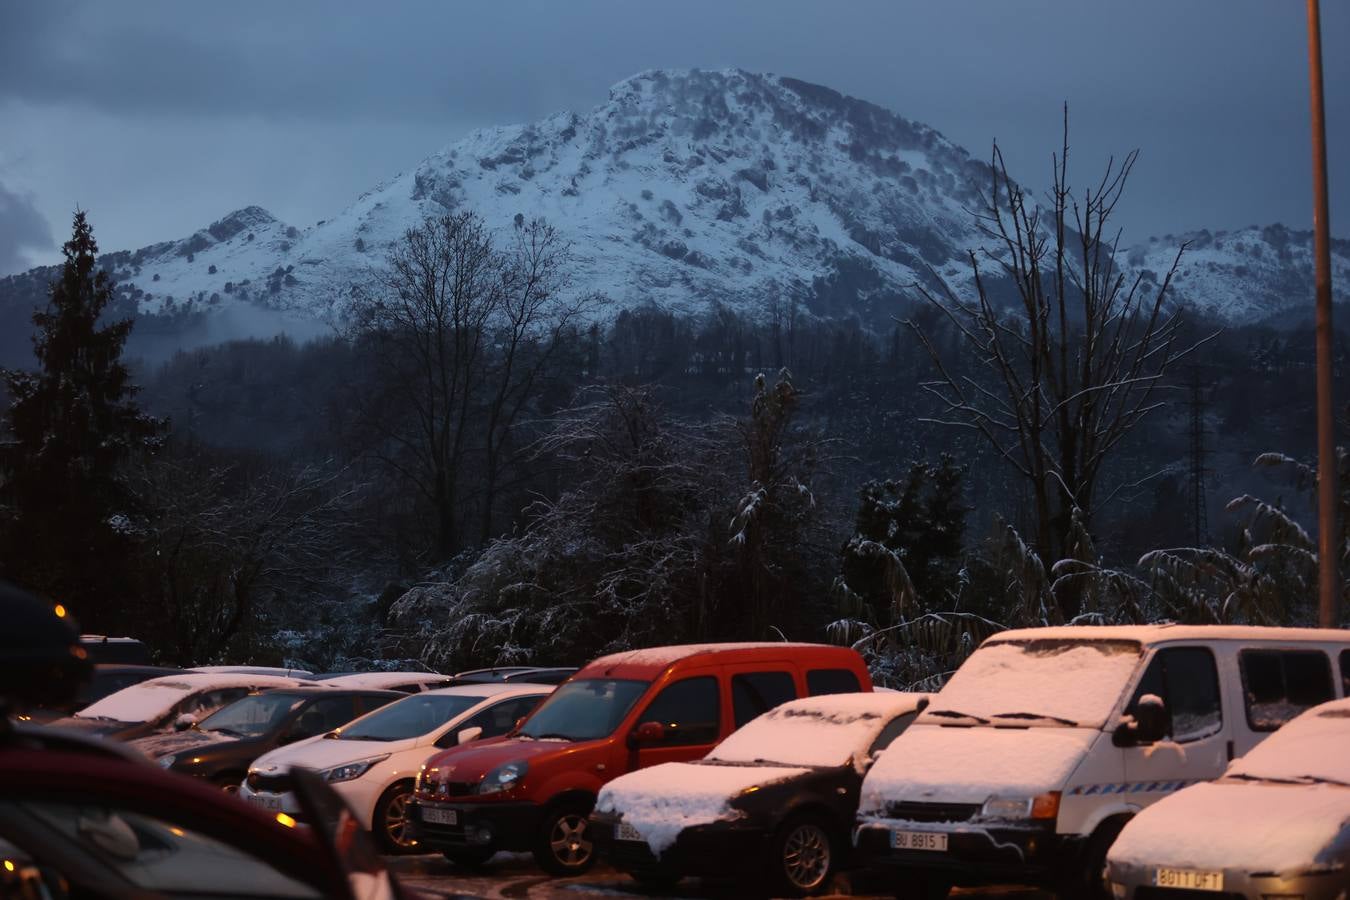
933, 812
448, 788
1158, 893
273, 784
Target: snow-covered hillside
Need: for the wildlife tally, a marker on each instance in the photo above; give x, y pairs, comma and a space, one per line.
686, 190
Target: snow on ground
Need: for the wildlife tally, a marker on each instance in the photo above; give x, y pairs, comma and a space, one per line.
663, 800
1079, 680
833, 730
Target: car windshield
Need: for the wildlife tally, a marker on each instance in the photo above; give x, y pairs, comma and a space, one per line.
144, 702
409, 718
253, 715
584, 710
1038, 683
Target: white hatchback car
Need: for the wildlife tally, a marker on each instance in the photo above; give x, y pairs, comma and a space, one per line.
406, 682
374, 761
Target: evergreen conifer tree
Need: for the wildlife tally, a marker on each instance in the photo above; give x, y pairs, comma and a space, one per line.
73, 425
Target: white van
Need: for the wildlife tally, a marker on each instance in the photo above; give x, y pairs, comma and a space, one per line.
1047, 740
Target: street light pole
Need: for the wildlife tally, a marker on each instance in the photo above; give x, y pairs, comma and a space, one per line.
1328, 553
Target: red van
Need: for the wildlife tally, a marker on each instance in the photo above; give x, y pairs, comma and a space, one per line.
534, 789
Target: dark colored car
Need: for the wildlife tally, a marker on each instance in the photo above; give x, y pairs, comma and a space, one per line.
773, 803
107, 678
221, 747
101, 649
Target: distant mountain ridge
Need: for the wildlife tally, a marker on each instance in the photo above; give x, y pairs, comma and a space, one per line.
689, 190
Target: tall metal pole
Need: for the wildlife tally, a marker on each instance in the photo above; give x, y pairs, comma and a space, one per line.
1327, 477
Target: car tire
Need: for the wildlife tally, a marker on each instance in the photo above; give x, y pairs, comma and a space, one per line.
563, 846
469, 857
1087, 879
387, 823
802, 856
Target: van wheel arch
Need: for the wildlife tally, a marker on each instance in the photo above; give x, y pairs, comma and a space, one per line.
1086, 877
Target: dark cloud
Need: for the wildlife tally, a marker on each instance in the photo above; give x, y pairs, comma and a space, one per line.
1213, 91
22, 228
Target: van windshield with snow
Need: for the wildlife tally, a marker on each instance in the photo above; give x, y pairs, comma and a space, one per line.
1038, 683
585, 710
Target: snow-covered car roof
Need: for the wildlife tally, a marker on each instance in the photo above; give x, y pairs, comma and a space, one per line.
384, 680
256, 670
657, 659
830, 730
151, 699
1152, 634
1313, 745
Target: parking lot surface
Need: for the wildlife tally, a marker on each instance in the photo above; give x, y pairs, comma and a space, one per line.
512, 875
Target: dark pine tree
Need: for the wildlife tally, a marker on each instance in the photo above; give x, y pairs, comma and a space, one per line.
73, 426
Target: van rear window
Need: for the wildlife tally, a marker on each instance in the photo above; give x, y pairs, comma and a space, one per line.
1279, 684
755, 693
831, 681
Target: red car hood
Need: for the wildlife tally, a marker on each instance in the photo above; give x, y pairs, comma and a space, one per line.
470, 762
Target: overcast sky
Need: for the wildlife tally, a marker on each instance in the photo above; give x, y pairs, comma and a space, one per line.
159, 117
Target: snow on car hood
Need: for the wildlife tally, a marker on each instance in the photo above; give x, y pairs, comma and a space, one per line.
320, 753
162, 744
663, 800
1252, 827
969, 765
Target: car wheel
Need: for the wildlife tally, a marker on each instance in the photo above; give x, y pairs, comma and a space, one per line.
802, 856
564, 845
469, 857
1087, 880
388, 823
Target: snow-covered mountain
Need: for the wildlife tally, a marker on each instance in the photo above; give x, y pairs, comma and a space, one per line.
686, 190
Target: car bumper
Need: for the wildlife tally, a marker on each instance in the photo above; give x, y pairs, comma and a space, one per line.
1136, 883
975, 854
718, 849
499, 826
357, 797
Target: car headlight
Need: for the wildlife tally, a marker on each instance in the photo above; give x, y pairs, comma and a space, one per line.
351, 770
166, 762
503, 777
1042, 806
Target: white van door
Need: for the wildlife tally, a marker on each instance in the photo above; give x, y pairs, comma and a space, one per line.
1196, 746
1279, 683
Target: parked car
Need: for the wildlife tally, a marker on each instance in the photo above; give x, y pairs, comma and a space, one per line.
511, 675
1277, 824
221, 747
773, 803
534, 790
163, 704
106, 678
1047, 741
280, 671
373, 762
403, 682
99, 648
86, 818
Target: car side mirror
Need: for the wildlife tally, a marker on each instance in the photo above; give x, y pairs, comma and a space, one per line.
469, 734
1147, 725
184, 722
646, 734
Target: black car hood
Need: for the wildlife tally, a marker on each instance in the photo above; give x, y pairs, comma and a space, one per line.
157, 745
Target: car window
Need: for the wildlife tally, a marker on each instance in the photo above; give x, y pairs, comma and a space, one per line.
831, 681
167, 858
689, 710
322, 716
501, 718
754, 693
1279, 684
893, 730
410, 717
252, 715
1345, 673
1187, 681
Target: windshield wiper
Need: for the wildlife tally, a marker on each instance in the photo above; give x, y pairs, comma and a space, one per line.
1319, 779
1026, 715
956, 714
547, 735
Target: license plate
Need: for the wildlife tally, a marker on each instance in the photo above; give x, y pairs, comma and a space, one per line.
626, 832
919, 840
1188, 879
440, 816
264, 802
